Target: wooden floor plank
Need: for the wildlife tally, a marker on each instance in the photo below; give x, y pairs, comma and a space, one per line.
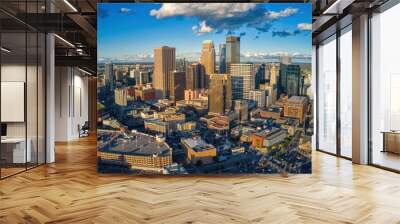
71, 191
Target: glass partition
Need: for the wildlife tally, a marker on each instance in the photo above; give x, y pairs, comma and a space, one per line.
346, 94
13, 92
22, 88
31, 98
385, 89
326, 82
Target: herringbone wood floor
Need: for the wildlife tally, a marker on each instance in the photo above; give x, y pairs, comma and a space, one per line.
70, 191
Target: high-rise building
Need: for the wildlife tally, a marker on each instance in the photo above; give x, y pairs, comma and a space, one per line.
220, 93
286, 59
272, 94
207, 57
222, 58
289, 80
181, 64
164, 63
132, 73
232, 51
121, 96
259, 96
177, 88
242, 76
272, 73
195, 77
141, 77
109, 75
118, 75
242, 109
260, 75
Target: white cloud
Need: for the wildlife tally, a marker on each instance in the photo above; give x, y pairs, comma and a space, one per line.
124, 10
194, 56
221, 17
283, 13
202, 28
266, 55
304, 26
211, 10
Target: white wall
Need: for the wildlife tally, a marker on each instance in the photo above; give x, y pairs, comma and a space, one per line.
33, 126
71, 103
14, 73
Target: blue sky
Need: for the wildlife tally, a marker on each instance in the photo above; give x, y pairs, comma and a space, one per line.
131, 31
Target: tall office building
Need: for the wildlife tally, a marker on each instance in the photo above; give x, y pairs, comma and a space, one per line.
164, 63
177, 88
260, 75
222, 58
118, 75
259, 96
109, 75
289, 80
286, 59
220, 93
272, 94
272, 73
181, 64
195, 77
142, 77
242, 76
121, 96
232, 51
242, 109
207, 57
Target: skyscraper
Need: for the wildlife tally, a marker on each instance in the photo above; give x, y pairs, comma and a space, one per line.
207, 58
142, 77
181, 64
286, 59
232, 51
260, 75
272, 73
242, 76
177, 88
164, 63
222, 58
109, 76
272, 93
220, 93
242, 109
121, 96
195, 77
118, 75
259, 96
289, 80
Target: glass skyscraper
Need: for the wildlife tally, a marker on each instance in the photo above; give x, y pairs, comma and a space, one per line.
222, 58
232, 51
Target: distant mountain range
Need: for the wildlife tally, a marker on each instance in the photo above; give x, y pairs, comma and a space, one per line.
194, 56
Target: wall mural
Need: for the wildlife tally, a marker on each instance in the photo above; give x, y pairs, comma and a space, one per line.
204, 88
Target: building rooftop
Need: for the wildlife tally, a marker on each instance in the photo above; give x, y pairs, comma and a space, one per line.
269, 133
197, 144
155, 121
139, 144
297, 99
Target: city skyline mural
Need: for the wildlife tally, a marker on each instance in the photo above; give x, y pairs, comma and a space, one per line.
204, 88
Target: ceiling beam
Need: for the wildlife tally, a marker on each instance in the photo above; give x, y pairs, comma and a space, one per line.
78, 61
